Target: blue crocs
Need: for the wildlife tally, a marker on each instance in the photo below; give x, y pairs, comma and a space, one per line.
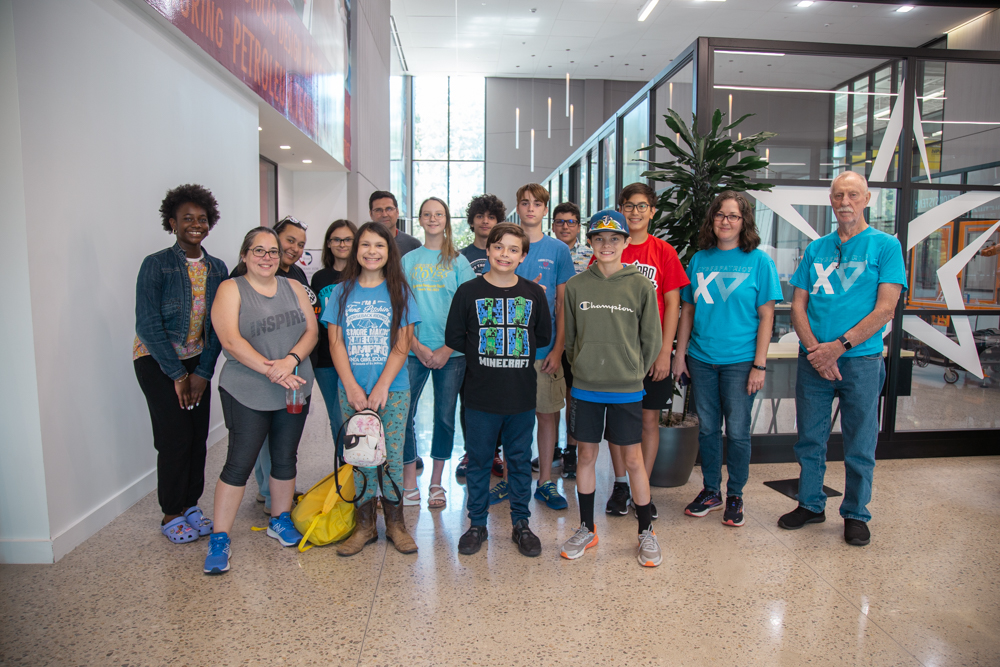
178, 531
499, 492
217, 560
198, 521
283, 530
548, 493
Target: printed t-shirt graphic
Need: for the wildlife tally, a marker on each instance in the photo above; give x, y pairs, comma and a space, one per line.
727, 288
843, 291
497, 341
433, 287
366, 322
477, 258
657, 260
550, 259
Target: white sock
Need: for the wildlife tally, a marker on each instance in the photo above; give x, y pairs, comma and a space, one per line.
621, 480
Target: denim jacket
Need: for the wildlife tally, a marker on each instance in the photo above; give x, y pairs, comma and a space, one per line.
163, 309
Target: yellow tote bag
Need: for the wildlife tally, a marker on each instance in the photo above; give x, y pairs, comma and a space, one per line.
322, 516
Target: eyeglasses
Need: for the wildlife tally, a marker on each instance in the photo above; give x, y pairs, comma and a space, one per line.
836, 262
336, 240
731, 219
565, 223
260, 251
642, 208
388, 210
614, 240
289, 220
437, 216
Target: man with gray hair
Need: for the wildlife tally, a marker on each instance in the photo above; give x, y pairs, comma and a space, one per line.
846, 289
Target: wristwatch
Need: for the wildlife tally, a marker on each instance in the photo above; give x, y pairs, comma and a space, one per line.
760, 368
846, 343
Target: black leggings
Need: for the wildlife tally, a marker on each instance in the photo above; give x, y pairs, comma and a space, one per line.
178, 435
247, 430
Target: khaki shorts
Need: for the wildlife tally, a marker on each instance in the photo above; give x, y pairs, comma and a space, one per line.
550, 394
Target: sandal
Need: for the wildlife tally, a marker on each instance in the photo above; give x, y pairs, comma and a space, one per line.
178, 531
198, 521
436, 500
411, 497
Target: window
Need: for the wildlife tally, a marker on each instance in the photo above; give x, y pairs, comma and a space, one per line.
635, 135
449, 122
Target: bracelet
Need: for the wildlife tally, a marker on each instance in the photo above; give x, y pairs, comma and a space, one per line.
292, 354
186, 376
760, 368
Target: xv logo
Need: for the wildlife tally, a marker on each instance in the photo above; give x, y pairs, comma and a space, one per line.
846, 281
719, 278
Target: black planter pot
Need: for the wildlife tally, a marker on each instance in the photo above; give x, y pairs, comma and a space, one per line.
676, 457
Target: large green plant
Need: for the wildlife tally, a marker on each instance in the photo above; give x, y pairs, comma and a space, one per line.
711, 164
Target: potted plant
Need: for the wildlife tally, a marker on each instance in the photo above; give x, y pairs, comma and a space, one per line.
711, 164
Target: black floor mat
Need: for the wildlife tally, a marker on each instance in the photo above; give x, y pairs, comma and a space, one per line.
790, 488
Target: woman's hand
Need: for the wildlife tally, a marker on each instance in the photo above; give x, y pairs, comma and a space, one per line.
756, 381
280, 369
378, 398
291, 382
198, 385
356, 397
680, 366
183, 390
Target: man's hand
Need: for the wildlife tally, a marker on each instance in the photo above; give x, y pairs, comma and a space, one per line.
424, 354
661, 366
439, 358
538, 281
552, 361
823, 357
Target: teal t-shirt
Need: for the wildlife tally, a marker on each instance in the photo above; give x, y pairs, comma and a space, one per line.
843, 292
727, 287
365, 325
433, 287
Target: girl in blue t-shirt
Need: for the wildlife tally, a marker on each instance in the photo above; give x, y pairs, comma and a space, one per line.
722, 339
434, 272
371, 315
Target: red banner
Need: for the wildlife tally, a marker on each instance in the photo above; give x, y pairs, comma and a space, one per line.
267, 45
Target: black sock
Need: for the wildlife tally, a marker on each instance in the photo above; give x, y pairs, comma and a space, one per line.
587, 508
645, 514
570, 448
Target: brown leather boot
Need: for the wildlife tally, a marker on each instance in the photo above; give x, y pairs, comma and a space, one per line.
395, 528
365, 530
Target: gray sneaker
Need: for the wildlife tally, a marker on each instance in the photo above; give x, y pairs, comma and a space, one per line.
582, 539
649, 549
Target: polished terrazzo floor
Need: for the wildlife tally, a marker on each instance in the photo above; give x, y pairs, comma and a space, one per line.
925, 592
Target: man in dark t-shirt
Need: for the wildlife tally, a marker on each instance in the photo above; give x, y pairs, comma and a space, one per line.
497, 321
483, 213
383, 208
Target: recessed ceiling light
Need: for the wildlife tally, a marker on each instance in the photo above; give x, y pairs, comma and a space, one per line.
259, 128
645, 10
905, 8
804, 3
307, 162
284, 148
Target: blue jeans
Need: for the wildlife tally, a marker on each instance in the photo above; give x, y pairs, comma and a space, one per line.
481, 431
721, 391
858, 392
447, 381
326, 380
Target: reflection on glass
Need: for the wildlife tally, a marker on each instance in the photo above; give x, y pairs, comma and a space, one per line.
608, 148
465, 181
592, 181
925, 259
581, 195
673, 94
979, 277
564, 187
635, 134
467, 96
430, 118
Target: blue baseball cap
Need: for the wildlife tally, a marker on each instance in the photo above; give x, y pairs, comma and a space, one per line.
607, 220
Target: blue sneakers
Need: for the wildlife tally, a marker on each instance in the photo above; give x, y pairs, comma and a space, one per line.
499, 492
217, 560
283, 530
548, 493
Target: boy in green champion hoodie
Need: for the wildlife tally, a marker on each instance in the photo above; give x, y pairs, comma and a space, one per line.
612, 338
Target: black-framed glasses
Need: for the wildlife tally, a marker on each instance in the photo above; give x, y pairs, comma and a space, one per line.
260, 251
641, 207
836, 262
289, 220
731, 219
347, 240
565, 223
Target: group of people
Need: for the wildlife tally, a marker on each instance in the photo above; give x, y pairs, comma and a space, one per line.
511, 329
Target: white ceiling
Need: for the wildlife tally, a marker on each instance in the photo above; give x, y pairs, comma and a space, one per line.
603, 39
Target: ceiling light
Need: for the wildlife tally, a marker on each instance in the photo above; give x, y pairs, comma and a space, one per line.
646, 9
905, 8
805, 3
284, 148
753, 53
307, 162
259, 128
937, 134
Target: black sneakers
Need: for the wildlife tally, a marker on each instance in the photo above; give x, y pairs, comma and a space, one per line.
527, 542
472, 540
733, 516
618, 502
556, 458
799, 517
856, 533
569, 463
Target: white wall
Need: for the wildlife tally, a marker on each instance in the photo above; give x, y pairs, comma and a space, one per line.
24, 518
113, 111
317, 198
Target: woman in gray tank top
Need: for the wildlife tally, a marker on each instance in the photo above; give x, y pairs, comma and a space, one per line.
267, 329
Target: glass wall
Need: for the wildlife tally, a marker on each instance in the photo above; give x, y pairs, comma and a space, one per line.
635, 134
673, 93
609, 175
449, 119
399, 141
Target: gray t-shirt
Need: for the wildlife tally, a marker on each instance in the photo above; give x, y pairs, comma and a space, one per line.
272, 325
406, 243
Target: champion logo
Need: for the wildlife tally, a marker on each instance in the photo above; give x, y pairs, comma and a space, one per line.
589, 305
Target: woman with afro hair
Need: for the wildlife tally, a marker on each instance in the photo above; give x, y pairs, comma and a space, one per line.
174, 355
